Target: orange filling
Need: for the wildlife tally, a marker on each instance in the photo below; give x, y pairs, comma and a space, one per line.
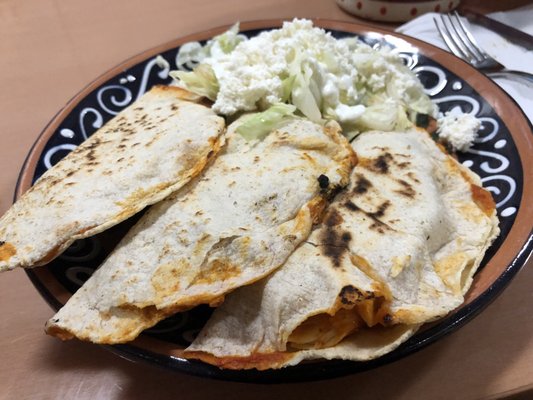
324, 330
7, 250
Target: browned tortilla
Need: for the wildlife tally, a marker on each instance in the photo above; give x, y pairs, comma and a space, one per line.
150, 149
397, 249
236, 223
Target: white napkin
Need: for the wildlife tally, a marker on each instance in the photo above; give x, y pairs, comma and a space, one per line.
508, 54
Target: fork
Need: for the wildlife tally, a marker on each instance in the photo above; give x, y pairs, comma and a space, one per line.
462, 44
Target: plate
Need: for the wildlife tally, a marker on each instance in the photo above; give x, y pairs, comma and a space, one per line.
502, 157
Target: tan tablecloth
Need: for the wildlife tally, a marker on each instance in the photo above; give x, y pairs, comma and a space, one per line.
49, 50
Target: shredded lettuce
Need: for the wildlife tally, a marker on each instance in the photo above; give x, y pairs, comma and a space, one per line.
387, 116
190, 55
380, 117
228, 40
261, 124
286, 88
304, 92
201, 80
359, 86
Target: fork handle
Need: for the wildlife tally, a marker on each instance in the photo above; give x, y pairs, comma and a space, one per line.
516, 75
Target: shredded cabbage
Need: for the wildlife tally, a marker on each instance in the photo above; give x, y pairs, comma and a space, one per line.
201, 80
226, 41
261, 124
304, 93
387, 116
323, 78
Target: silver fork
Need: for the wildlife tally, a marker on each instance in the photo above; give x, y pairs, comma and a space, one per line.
462, 44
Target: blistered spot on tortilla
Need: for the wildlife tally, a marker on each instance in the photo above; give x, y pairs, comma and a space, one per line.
346, 237
381, 164
483, 199
333, 241
361, 184
411, 175
306, 157
166, 278
130, 205
334, 251
350, 295
7, 250
448, 268
351, 206
331, 191
406, 189
403, 164
380, 212
217, 271
323, 181
374, 216
333, 218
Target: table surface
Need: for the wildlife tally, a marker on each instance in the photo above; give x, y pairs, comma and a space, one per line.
50, 49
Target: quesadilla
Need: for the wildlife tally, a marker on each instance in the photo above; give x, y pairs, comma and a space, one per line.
233, 225
397, 249
147, 151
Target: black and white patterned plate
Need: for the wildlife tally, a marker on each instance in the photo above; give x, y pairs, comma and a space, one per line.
495, 157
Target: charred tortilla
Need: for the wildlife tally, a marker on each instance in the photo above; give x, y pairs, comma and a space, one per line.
397, 249
146, 152
233, 225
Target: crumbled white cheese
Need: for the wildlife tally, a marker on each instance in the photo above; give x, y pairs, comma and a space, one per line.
343, 73
349, 113
458, 130
255, 69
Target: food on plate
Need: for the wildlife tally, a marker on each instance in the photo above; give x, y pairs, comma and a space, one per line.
241, 220
234, 224
458, 130
397, 249
150, 149
346, 80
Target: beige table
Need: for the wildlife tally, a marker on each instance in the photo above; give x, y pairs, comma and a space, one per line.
48, 51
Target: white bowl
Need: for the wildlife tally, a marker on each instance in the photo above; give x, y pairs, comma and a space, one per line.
395, 11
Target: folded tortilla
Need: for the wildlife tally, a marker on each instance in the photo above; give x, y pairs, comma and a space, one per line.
397, 249
236, 223
150, 149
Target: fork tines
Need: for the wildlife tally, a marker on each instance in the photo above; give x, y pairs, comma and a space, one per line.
458, 38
